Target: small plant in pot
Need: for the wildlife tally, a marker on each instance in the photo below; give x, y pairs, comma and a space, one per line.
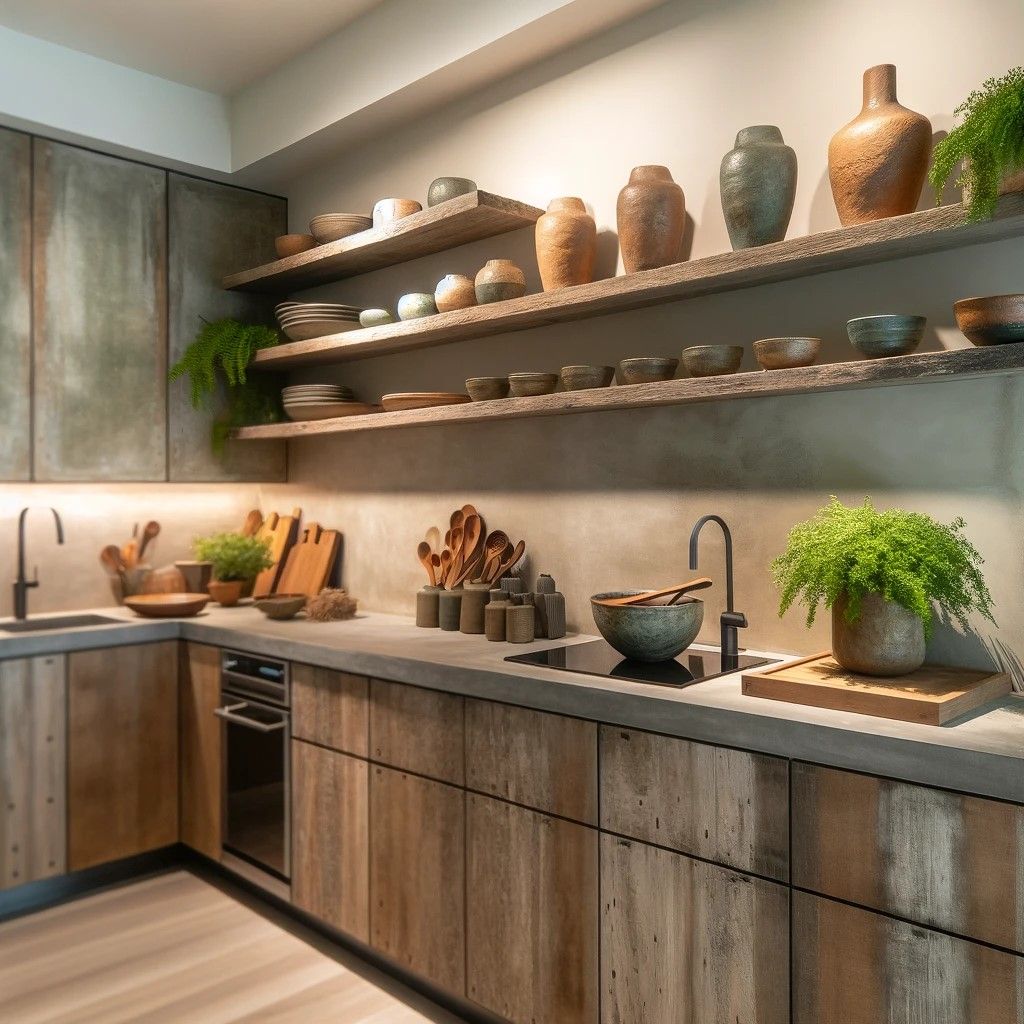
881, 574
236, 560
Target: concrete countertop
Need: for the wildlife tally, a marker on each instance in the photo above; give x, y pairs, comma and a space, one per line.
981, 753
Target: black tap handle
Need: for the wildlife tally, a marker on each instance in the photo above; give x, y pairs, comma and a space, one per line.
737, 619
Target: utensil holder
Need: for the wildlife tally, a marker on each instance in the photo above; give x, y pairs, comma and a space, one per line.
197, 575
474, 600
494, 620
449, 609
427, 603
520, 623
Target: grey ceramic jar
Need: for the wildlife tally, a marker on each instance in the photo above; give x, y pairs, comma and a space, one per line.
758, 183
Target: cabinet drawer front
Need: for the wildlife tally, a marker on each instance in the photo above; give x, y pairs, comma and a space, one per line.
531, 913
534, 758
726, 805
852, 966
200, 749
685, 942
330, 708
419, 730
954, 862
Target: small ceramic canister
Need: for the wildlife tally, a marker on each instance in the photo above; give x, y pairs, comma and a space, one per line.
415, 305
427, 604
474, 601
499, 280
511, 585
520, 627
554, 615
449, 609
387, 210
454, 291
546, 583
494, 619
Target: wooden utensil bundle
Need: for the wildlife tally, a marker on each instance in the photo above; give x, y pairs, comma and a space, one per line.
124, 564
469, 552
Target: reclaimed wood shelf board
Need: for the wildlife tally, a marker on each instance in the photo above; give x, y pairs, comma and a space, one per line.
932, 695
894, 238
460, 220
918, 368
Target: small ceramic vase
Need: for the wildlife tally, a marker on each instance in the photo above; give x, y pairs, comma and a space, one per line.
454, 291
545, 584
196, 575
877, 163
554, 615
441, 190
387, 210
449, 609
474, 600
651, 215
225, 592
566, 239
499, 280
416, 305
520, 623
758, 185
494, 620
510, 585
427, 604
376, 317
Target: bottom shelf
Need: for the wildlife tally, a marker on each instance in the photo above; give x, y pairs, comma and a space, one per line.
918, 368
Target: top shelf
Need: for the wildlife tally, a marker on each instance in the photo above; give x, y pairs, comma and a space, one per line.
460, 220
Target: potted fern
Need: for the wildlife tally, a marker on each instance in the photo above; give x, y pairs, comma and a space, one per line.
881, 573
989, 141
236, 560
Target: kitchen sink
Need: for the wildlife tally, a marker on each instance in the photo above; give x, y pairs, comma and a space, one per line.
60, 622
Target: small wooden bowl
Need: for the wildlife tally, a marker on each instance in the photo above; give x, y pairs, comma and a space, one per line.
786, 353
646, 369
527, 385
486, 389
282, 606
292, 245
712, 360
167, 606
583, 378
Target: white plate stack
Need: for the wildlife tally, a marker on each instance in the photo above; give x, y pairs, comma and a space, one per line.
321, 402
302, 321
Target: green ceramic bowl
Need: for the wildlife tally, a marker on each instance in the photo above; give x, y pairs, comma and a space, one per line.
888, 334
651, 632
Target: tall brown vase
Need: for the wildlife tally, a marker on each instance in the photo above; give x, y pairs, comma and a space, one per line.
878, 162
566, 238
651, 214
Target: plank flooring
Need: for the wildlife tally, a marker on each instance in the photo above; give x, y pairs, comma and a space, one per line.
173, 949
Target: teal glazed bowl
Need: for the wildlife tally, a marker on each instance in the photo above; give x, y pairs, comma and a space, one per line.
889, 334
650, 632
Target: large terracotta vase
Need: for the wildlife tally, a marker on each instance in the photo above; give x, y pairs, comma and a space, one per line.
878, 162
885, 640
651, 214
758, 185
566, 238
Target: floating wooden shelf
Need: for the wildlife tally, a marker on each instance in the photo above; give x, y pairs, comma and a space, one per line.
896, 237
464, 219
919, 368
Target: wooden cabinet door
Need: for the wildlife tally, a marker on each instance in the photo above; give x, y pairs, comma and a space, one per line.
330, 708
122, 752
531, 914
418, 875
330, 839
33, 837
201, 749
687, 942
853, 966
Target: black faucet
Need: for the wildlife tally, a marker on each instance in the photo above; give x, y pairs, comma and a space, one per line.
22, 585
731, 620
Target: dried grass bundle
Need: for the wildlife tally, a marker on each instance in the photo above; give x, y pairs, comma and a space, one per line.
330, 605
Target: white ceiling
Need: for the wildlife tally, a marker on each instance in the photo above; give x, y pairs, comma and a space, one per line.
218, 45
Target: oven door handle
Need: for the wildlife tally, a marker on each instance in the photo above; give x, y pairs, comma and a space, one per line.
228, 713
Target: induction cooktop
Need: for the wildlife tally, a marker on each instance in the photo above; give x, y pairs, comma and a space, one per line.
598, 658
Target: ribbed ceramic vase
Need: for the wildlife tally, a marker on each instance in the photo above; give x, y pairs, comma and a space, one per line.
885, 640
651, 215
758, 185
566, 238
878, 162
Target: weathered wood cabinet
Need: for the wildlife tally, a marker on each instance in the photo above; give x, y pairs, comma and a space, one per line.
330, 708
32, 770
122, 752
201, 749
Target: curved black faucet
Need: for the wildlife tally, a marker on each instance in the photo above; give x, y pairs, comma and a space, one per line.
22, 585
731, 620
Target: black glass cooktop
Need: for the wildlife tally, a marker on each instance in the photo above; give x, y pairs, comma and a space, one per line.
597, 658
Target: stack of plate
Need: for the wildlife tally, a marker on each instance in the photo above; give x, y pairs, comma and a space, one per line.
301, 321
321, 402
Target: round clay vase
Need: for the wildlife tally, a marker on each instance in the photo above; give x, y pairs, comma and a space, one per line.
758, 185
651, 215
885, 640
454, 291
878, 162
226, 592
499, 280
566, 238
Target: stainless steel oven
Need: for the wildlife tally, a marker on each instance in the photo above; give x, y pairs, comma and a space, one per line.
255, 710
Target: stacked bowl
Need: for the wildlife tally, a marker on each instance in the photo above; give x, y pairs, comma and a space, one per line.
317, 401
302, 321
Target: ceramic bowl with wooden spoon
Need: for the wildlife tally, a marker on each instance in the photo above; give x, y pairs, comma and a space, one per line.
647, 632
676, 592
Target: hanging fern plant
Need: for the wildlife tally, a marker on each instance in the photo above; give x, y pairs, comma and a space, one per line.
219, 356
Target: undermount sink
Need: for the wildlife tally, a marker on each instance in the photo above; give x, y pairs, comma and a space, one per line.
61, 622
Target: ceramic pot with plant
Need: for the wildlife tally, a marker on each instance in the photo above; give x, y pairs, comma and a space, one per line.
651, 217
758, 185
236, 560
989, 141
881, 574
566, 239
877, 163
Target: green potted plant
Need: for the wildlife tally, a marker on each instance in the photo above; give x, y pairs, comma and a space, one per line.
989, 141
236, 560
881, 573
218, 359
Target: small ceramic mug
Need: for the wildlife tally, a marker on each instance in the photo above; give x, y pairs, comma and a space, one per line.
387, 210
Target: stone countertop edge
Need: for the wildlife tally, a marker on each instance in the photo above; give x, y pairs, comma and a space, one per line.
982, 753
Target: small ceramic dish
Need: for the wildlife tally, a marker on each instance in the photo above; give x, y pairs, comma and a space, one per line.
292, 245
991, 320
786, 353
528, 385
486, 389
887, 334
387, 210
712, 360
167, 606
441, 190
646, 369
329, 227
582, 378
282, 606
376, 317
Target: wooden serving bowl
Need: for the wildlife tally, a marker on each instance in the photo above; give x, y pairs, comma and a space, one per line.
292, 245
282, 606
167, 606
991, 319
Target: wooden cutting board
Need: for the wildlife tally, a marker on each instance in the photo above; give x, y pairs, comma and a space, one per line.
281, 533
310, 562
933, 695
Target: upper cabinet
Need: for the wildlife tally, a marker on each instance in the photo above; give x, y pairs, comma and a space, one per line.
213, 230
100, 315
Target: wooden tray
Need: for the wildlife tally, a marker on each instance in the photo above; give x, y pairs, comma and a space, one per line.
933, 695
422, 400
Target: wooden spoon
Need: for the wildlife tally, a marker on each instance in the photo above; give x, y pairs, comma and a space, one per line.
252, 524
110, 557
470, 568
446, 564
435, 564
457, 557
471, 534
511, 560
469, 510
423, 553
458, 517
434, 539
149, 533
701, 583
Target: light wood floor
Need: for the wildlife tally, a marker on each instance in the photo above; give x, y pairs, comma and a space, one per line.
176, 949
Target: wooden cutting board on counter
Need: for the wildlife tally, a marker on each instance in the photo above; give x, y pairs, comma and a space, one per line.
933, 695
281, 533
310, 562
